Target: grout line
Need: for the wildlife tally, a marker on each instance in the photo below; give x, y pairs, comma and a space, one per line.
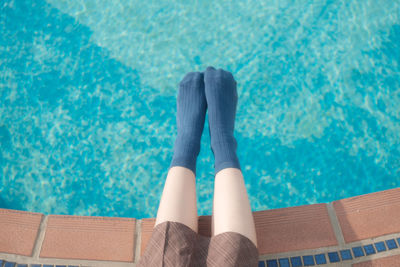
138, 240
335, 224
40, 238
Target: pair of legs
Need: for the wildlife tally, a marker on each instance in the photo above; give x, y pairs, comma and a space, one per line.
231, 208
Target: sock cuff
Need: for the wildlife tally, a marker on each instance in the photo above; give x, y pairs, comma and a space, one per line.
186, 152
227, 164
187, 162
225, 154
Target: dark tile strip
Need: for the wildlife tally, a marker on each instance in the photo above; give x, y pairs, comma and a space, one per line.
333, 256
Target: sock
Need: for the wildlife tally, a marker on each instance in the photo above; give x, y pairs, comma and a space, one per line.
221, 95
190, 116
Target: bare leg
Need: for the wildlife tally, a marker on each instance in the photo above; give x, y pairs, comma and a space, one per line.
178, 200
231, 207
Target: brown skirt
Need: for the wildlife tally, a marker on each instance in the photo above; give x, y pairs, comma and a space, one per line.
174, 244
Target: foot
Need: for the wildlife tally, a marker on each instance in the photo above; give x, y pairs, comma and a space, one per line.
190, 116
221, 95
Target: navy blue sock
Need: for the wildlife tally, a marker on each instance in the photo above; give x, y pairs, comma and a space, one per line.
190, 116
221, 95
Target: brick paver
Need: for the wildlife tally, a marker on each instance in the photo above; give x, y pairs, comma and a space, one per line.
90, 238
18, 231
370, 215
294, 228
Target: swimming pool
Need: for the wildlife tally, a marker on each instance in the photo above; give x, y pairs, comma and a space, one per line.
88, 91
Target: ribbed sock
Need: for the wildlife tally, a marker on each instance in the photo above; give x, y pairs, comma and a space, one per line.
221, 95
190, 116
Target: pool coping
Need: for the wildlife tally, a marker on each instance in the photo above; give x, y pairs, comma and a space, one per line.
286, 237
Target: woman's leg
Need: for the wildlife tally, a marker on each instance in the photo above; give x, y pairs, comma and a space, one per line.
231, 206
178, 200
231, 211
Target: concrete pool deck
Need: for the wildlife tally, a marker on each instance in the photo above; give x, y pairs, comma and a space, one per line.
360, 231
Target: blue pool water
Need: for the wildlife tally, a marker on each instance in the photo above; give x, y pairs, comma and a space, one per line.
88, 93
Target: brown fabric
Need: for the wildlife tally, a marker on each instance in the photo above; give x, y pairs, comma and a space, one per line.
174, 244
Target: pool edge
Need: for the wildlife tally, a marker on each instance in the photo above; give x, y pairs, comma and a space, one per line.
337, 232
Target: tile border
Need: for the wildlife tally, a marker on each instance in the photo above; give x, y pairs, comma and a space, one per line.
264, 261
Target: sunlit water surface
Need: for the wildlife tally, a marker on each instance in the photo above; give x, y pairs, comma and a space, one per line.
88, 100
